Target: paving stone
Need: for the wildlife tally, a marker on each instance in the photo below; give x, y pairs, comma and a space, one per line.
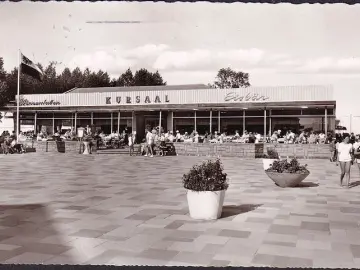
126, 212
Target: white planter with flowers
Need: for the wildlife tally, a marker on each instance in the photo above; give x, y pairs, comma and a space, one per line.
206, 185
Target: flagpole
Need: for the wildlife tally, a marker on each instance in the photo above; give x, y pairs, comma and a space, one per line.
18, 100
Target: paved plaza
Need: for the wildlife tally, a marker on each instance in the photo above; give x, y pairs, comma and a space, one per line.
120, 210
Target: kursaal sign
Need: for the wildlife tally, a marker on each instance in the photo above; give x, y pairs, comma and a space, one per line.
129, 100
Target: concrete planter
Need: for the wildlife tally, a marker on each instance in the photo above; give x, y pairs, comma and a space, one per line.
287, 179
205, 205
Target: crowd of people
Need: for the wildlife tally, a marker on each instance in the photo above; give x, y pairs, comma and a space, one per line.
10, 144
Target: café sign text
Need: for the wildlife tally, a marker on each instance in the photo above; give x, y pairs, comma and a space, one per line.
233, 96
138, 99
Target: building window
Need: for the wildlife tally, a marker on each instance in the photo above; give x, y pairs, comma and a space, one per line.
203, 114
298, 124
313, 111
251, 113
63, 115
184, 125
184, 114
43, 115
286, 112
84, 115
231, 114
330, 111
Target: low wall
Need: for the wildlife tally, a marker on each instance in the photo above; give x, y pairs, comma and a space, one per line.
52, 146
302, 151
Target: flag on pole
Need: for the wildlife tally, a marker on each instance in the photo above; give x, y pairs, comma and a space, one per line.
29, 68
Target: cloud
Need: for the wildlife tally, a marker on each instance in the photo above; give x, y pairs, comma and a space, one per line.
103, 60
183, 60
165, 59
147, 50
328, 65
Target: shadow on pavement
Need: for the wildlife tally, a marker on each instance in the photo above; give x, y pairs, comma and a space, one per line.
354, 184
30, 228
307, 185
234, 210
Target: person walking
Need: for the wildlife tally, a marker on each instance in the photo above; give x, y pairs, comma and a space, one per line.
356, 147
150, 140
345, 158
131, 139
333, 153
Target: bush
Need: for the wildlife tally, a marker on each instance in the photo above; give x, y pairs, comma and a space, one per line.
271, 154
284, 166
208, 176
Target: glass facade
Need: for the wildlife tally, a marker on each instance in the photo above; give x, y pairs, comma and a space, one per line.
229, 121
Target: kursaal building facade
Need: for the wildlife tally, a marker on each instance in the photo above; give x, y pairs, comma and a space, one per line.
184, 108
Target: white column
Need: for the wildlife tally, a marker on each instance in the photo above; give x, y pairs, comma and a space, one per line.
270, 123
210, 121
53, 118
265, 124
244, 115
75, 122
195, 126
112, 120
92, 118
170, 121
219, 124
118, 124
326, 122
133, 121
35, 124
160, 123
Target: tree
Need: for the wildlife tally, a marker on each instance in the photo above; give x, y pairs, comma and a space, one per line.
142, 77
54, 83
145, 78
228, 78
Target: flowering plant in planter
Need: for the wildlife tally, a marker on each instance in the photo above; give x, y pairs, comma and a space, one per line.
287, 174
284, 166
206, 185
208, 176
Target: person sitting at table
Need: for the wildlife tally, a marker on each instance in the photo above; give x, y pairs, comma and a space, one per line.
178, 136
171, 137
237, 135
196, 137
274, 137
257, 137
206, 137
245, 137
186, 136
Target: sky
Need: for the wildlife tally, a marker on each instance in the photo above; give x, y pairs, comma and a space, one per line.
188, 43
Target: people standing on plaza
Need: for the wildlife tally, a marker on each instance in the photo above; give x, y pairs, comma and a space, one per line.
333, 152
150, 140
345, 158
131, 139
356, 147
